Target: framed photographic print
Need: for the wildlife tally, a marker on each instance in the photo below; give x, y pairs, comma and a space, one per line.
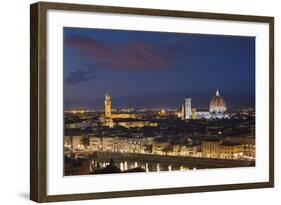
134, 102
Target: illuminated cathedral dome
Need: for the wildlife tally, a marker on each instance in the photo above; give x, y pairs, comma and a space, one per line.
217, 104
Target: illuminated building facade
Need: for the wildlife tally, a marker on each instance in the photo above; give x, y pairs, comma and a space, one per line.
234, 148
95, 143
248, 143
120, 144
137, 123
74, 142
122, 115
160, 147
194, 150
221, 150
203, 114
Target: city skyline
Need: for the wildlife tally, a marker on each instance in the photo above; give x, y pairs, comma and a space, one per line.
186, 89
156, 101
134, 65
125, 141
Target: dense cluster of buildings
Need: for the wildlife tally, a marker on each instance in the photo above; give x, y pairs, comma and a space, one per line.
230, 148
164, 133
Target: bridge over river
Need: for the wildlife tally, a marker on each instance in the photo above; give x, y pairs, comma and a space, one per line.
151, 162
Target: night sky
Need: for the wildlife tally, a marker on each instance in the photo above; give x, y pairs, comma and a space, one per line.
156, 69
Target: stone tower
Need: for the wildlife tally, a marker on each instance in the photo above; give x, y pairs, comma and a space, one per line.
107, 106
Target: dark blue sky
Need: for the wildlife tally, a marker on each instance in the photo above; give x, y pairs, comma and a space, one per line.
138, 63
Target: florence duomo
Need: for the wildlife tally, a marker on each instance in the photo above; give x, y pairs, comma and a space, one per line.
217, 109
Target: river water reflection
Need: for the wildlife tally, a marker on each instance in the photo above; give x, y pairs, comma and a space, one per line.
140, 166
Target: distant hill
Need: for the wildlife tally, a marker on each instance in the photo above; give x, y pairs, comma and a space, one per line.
168, 99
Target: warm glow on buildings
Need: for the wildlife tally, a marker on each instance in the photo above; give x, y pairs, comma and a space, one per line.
127, 120
130, 124
193, 113
122, 115
221, 150
132, 135
107, 105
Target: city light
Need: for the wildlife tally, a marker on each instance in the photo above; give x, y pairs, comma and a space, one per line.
117, 141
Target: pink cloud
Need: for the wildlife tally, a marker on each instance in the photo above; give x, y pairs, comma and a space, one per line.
138, 55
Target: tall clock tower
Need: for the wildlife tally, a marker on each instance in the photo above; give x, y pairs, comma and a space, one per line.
107, 106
